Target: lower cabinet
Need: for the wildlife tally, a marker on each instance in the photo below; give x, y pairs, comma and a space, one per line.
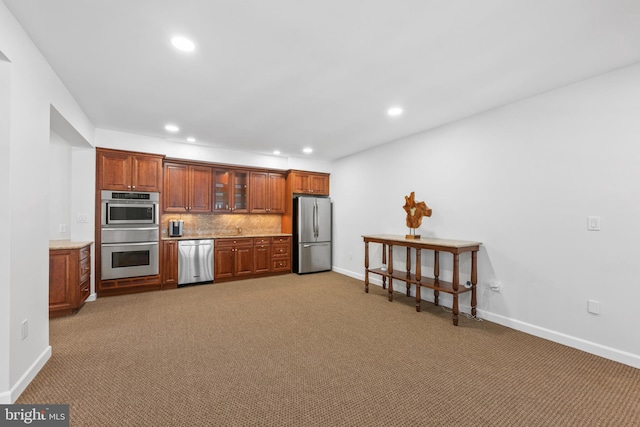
251, 257
281, 254
261, 255
169, 264
69, 279
232, 258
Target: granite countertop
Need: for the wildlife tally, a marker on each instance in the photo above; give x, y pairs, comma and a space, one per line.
226, 236
67, 244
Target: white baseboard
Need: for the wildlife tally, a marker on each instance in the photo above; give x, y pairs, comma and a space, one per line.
9, 397
92, 297
564, 339
548, 334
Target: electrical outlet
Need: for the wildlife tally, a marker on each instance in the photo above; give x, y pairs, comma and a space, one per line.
495, 286
593, 306
62, 228
24, 329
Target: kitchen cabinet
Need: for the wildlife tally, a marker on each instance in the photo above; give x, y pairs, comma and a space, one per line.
231, 191
315, 183
169, 264
302, 182
69, 279
187, 188
267, 192
233, 258
281, 254
261, 255
127, 171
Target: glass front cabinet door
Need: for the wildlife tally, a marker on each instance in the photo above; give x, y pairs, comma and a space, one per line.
231, 191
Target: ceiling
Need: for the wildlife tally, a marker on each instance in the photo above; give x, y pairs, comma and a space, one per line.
287, 74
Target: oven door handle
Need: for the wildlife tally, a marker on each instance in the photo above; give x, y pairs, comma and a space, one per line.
107, 245
112, 228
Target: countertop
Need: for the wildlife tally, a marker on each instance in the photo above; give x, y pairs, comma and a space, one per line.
67, 244
227, 236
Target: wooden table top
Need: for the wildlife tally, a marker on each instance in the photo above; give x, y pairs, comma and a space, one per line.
430, 242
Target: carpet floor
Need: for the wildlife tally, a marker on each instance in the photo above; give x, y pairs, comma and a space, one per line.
315, 350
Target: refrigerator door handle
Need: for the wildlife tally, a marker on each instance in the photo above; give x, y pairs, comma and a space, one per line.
315, 219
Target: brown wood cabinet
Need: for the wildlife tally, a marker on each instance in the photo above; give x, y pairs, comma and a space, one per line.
187, 188
267, 192
231, 191
281, 254
126, 171
250, 257
233, 258
302, 182
261, 255
69, 279
169, 264
315, 183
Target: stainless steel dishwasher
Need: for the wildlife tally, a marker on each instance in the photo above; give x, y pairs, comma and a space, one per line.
195, 261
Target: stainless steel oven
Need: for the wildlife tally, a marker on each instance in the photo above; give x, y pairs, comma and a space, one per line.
129, 208
129, 234
122, 260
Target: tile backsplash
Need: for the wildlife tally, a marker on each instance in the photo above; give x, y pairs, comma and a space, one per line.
207, 224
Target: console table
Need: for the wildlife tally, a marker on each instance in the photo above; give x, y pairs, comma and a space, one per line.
454, 247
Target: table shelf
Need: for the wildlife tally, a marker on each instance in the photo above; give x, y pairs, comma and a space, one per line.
427, 282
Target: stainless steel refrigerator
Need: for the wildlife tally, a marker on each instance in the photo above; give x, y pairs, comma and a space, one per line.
312, 234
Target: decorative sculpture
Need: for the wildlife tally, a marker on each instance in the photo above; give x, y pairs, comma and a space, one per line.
415, 212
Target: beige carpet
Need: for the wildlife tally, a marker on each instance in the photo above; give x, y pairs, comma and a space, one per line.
315, 350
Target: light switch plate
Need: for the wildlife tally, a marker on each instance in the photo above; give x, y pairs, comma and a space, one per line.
593, 223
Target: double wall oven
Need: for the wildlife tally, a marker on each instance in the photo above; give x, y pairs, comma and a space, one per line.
129, 235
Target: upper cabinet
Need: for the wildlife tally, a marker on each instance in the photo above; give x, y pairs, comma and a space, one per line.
125, 171
231, 191
267, 192
187, 188
309, 183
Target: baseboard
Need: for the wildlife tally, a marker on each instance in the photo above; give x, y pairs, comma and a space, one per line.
92, 297
564, 339
548, 334
9, 397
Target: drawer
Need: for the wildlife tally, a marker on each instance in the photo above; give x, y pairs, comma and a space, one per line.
281, 251
227, 243
85, 269
85, 252
281, 265
85, 290
262, 240
282, 239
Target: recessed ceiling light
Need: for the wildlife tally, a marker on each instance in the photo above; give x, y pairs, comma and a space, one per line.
394, 111
171, 128
183, 44
276, 152
307, 150
191, 139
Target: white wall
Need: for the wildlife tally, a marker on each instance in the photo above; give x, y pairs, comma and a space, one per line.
522, 179
148, 144
59, 188
5, 218
33, 89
